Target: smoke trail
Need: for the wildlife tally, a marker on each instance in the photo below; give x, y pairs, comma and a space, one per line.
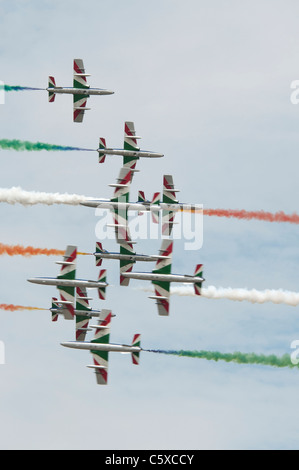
237, 357
21, 145
13, 250
16, 195
13, 308
238, 294
250, 215
250, 295
18, 88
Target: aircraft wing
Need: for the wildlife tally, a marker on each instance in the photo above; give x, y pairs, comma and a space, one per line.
100, 358
82, 320
169, 197
162, 294
68, 271
120, 212
167, 222
130, 143
126, 266
79, 101
79, 107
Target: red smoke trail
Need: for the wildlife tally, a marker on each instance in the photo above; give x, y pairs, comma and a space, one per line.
13, 250
258, 215
13, 308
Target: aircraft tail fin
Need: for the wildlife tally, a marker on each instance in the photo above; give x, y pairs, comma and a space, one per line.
51, 84
102, 289
141, 196
198, 273
54, 306
99, 250
135, 355
156, 198
102, 146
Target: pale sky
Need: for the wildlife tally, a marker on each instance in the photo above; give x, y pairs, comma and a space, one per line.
207, 84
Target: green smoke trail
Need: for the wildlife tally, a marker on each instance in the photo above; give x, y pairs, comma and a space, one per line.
21, 145
237, 357
17, 88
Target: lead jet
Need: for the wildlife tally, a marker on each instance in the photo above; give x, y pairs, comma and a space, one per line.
66, 281
82, 312
126, 256
100, 347
131, 152
161, 277
80, 90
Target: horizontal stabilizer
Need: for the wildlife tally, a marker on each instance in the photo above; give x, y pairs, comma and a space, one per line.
97, 367
99, 326
65, 262
82, 74
51, 97
158, 297
116, 185
82, 108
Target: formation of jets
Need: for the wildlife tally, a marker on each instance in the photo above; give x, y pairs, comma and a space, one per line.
119, 203
73, 303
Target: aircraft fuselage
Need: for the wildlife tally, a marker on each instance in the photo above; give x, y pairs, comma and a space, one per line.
163, 277
87, 313
79, 91
141, 206
101, 346
123, 257
49, 281
130, 153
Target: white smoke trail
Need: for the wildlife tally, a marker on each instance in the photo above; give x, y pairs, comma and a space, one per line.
278, 296
16, 195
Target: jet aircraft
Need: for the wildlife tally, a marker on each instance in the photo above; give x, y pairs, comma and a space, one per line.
100, 347
80, 90
131, 152
82, 312
66, 281
126, 256
161, 277
119, 204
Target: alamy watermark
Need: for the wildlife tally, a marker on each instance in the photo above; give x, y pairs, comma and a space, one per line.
152, 224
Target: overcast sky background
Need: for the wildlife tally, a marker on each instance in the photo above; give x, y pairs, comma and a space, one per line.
207, 84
